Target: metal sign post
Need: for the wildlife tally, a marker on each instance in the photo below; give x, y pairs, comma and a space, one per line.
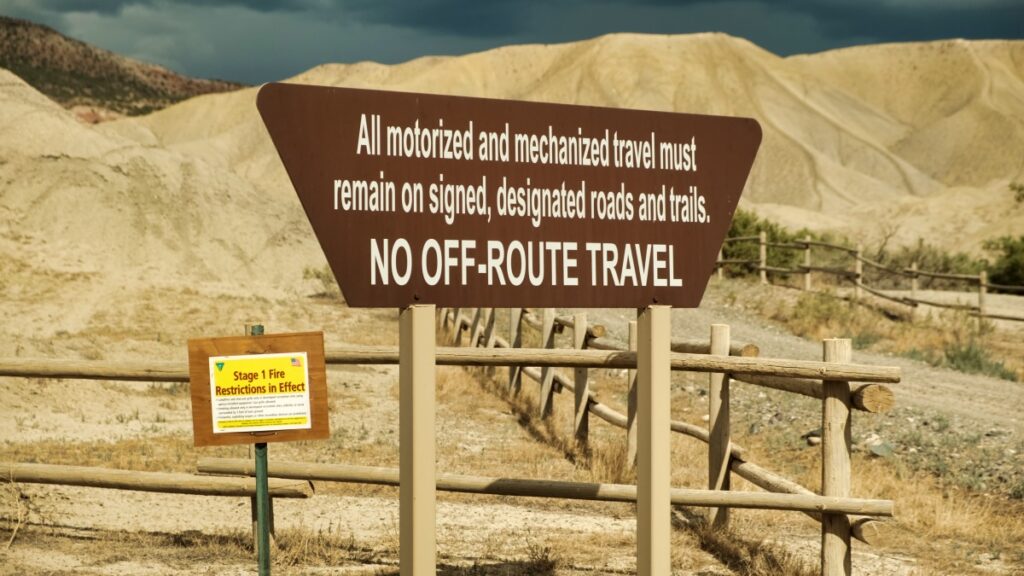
262, 510
262, 495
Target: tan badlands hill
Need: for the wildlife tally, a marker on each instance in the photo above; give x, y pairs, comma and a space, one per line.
919, 138
95, 83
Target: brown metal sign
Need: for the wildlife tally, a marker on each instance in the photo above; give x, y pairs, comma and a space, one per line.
457, 201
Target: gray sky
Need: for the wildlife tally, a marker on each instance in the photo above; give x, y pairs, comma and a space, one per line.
258, 41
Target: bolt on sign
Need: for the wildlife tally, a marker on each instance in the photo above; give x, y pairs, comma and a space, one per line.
457, 201
251, 389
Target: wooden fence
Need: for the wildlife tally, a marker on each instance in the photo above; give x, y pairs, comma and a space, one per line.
166, 482
842, 386
854, 273
724, 361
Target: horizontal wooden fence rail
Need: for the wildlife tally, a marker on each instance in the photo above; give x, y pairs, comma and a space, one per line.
951, 306
874, 398
880, 266
995, 316
742, 239
969, 278
786, 245
152, 371
552, 488
736, 365
1007, 288
829, 245
856, 275
682, 346
166, 482
898, 299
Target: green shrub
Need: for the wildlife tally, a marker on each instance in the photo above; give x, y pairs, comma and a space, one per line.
972, 358
928, 257
1008, 267
746, 223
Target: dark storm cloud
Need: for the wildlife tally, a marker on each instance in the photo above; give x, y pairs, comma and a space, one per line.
485, 18
116, 6
260, 40
916, 20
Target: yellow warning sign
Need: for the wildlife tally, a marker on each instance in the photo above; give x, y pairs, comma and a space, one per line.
260, 392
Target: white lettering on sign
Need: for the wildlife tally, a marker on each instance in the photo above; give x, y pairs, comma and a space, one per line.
453, 262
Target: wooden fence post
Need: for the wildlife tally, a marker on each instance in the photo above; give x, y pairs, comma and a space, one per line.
835, 469
488, 335
807, 263
982, 292
515, 340
474, 330
718, 426
416, 406
489, 329
858, 270
654, 477
719, 264
762, 243
631, 404
547, 373
581, 420
913, 289
456, 327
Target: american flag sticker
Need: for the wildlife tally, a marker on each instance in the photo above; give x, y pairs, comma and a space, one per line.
297, 362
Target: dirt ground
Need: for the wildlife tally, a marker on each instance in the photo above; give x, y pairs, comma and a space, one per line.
348, 529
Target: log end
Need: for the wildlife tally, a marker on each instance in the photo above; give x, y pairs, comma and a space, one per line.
874, 398
873, 532
750, 350
279, 488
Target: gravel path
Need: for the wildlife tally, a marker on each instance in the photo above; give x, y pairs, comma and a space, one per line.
984, 401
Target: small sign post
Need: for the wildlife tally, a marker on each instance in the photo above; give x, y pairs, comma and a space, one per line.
257, 389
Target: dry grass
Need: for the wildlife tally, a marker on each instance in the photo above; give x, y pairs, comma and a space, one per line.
14, 509
486, 429
741, 553
154, 453
946, 530
945, 338
330, 547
